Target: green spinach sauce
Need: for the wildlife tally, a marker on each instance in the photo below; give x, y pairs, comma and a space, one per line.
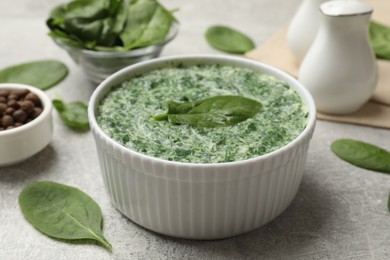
126, 114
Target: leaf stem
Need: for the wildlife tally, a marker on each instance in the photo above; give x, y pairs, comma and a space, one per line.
161, 117
101, 239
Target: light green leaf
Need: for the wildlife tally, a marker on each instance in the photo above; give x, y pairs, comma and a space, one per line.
62, 212
228, 40
380, 40
73, 114
362, 154
42, 74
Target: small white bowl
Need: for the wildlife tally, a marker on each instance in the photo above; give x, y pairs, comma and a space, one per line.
200, 201
20, 143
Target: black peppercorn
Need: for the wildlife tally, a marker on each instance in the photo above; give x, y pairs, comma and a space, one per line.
7, 120
37, 112
13, 103
27, 106
3, 107
4, 92
20, 116
21, 93
9, 110
33, 98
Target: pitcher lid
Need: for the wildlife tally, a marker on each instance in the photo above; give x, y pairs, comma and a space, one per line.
345, 8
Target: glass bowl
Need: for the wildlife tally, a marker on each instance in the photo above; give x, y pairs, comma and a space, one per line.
98, 65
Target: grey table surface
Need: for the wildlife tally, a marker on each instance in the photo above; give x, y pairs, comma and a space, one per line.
340, 211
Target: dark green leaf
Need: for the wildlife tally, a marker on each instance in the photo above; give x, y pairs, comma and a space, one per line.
63, 16
66, 39
147, 23
57, 16
380, 40
101, 26
388, 203
41, 74
211, 112
62, 212
362, 154
88, 22
228, 40
74, 114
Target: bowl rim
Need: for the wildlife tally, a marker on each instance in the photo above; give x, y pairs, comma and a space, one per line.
46, 103
173, 31
149, 65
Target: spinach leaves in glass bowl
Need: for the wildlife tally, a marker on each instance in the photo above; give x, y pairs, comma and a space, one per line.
110, 25
104, 36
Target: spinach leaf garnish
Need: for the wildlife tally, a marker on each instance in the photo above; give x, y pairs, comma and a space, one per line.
229, 40
211, 112
41, 74
110, 25
74, 114
380, 40
62, 211
362, 154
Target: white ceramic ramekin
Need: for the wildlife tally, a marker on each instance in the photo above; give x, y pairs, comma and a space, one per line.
24, 141
200, 201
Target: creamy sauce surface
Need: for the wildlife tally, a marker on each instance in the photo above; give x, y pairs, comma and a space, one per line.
126, 114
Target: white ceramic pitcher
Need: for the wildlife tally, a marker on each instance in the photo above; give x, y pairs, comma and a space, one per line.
303, 28
340, 68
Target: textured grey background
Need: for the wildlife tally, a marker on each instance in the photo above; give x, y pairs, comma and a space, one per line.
340, 211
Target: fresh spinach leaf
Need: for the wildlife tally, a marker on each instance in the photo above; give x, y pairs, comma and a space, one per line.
74, 114
388, 203
41, 74
380, 40
211, 112
148, 23
91, 22
100, 26
362, 154
229, 40
62, 211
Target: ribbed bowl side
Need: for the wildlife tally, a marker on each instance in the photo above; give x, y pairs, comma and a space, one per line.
200, 202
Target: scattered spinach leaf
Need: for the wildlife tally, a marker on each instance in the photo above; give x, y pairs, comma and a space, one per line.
211, 112
362, 154
380, 40
110, 25
228, 40
74, 114
41, 74
388, 203
62, 211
